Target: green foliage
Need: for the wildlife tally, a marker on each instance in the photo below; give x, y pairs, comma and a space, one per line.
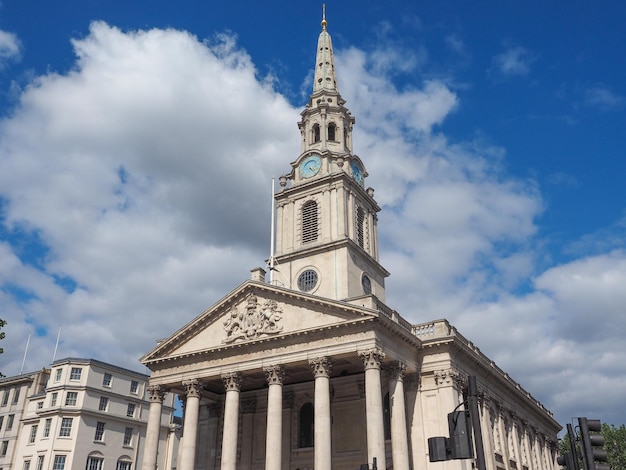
614, 444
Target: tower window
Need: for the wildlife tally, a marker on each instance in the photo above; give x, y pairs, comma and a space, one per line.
332, 128
360, 227
309, 222
307, 280
316, 132
307, 417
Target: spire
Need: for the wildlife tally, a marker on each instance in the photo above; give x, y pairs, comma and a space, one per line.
325, 78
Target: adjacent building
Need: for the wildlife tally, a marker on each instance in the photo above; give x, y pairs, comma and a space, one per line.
308, 367
80, 413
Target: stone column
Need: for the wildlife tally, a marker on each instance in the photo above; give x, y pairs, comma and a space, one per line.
321, 436
374, 407
274, 433
399, 438
232, 384
153, 431
190, 426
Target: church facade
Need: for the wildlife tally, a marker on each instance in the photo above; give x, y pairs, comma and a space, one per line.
310, 368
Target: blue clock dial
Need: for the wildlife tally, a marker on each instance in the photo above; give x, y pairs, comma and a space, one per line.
310, 166
357, 173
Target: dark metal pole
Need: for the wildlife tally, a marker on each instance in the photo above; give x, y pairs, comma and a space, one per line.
573, 450
472, 399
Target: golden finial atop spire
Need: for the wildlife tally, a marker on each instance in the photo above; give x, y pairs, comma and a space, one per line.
323, 17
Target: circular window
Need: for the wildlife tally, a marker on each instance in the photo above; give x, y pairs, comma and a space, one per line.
307, 280
366, 282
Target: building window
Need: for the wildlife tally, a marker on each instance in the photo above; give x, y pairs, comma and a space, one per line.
307, 280
58, 375
71, 398
309, 222
75, 373
130, 411
307, 425
104, 403
16, 396
5, 398
134, 386
4, 448
39, 405
26, 465
332, 130
59, 462
94, 462
128, 436
366, 283
46, 427
360, 227
40, 460
1, 421
123, 465
99, 431
10, 420
33, 434
66, 427
316, 133
106, 380
53, 399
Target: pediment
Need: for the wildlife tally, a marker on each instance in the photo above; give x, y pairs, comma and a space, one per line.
255, 312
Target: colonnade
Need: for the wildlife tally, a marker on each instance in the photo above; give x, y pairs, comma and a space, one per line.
321, 369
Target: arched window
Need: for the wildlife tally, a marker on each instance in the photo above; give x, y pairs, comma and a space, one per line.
94, 461
307, 424
316, 132
387, 416
124, 463
309, 222
332, 130
360, 227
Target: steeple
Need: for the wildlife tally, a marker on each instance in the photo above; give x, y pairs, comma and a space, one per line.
325, 78
326, 233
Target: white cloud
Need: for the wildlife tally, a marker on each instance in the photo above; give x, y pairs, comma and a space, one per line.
515, 61
145, 171
602, 98
10, 46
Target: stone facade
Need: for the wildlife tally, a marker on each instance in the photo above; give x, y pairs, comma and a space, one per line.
312, 369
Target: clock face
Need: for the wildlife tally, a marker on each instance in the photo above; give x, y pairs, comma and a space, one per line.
310, 166
357, 173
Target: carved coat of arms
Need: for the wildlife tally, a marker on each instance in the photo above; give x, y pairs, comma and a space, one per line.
253, 320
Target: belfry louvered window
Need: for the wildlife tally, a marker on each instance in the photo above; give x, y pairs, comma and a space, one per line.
309, 222
332, 131
360, 227
316, 132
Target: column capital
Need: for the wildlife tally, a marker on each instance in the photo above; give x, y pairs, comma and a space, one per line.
372, 358
274, 374
192, 387
321, 366
232, 381
398, 370
156, 393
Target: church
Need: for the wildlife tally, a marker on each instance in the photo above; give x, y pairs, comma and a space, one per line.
304, 366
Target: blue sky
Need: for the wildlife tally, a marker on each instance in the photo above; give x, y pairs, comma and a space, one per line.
137, 139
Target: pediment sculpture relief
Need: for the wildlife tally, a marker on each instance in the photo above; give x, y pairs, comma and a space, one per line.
253, 320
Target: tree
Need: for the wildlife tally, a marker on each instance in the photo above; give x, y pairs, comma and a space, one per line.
614, 444
2, 323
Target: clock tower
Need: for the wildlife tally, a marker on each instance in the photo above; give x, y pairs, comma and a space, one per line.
326, 234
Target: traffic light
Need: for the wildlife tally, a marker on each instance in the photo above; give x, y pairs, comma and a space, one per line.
566, 460
592, 445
